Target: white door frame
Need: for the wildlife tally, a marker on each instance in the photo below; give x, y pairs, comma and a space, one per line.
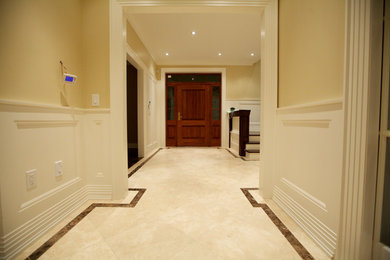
162, 100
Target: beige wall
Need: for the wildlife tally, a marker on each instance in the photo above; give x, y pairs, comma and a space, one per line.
36, 35
242, 82
139, 48
96, 53
311, 51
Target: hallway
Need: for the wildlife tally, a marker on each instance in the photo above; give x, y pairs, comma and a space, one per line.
192, 208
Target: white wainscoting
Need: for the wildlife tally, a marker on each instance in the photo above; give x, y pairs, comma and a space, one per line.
34, 136
308, 168
253, 106
21, 237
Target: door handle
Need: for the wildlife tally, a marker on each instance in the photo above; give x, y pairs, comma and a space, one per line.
178, 116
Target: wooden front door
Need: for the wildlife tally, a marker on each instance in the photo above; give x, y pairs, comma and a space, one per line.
193, 110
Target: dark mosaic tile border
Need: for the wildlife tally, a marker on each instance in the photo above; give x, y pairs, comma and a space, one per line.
143, 163
299, 248
235, 156
49, 243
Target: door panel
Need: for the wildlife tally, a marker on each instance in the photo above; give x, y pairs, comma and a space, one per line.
193, 121
171, 131
193, 104
193, 132
215, 132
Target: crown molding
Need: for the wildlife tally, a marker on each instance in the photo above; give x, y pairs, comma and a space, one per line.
194, 3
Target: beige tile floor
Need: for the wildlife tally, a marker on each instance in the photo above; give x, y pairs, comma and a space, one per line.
193, 209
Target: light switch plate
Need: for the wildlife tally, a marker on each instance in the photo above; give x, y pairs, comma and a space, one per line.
31, 179
95, 100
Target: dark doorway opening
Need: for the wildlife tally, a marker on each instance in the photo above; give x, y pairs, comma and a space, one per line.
132, 115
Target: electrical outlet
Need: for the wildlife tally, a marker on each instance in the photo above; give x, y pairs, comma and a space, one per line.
31, 179
59, 168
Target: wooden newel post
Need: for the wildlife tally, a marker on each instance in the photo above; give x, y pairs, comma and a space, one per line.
243, 128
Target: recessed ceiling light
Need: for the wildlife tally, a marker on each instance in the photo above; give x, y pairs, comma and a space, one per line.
193, 32
252, 54
166, 54
219, 54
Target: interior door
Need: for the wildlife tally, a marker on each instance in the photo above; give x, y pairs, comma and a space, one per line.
193, 109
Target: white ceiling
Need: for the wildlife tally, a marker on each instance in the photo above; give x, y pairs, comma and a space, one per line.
235, 35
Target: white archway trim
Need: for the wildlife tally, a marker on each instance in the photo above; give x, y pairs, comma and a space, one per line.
118, 77
269, 96
362, 100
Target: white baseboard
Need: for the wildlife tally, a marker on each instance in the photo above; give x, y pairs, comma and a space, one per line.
26, 205
309, 197
322, 235
15, 241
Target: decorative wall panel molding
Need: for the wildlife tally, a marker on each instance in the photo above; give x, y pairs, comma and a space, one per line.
321, 106
31, 107
320, 123
44, 123
325, 237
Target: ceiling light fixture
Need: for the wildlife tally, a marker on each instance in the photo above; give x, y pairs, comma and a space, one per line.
252, 54
219, 54
166, 54
193, 32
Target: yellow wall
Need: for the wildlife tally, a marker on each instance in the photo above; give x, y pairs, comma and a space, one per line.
96, 53
136, 45
311, 50
242, 82
36, 35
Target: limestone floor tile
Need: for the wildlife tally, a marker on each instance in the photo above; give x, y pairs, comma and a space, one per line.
78, 238
193, 208
97, 251
37, 243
